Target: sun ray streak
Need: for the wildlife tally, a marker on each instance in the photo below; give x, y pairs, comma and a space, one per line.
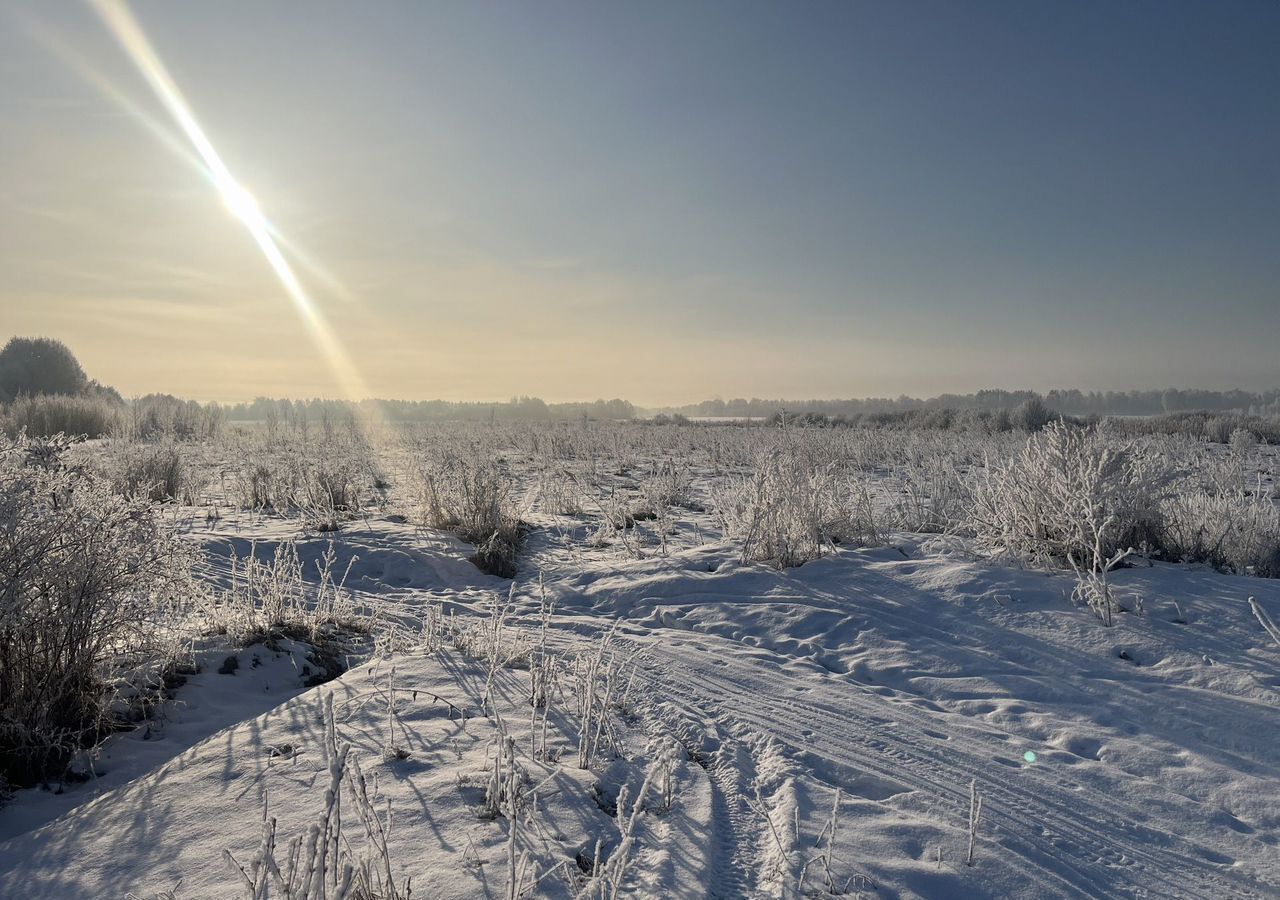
174, 142
129, 34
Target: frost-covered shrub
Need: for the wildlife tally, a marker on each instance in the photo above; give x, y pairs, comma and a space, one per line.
797, 505
87, 577
329, 492
259, 486
933, 497
156, 473
1032, 415
559, 491
1220, 428
666, 486
1070, 495
327, 484
1242, 440
1235, 531
270, 597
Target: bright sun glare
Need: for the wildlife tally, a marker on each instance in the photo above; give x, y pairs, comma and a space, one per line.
240, 203
237, 199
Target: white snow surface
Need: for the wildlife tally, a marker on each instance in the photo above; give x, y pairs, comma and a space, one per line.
1141, 760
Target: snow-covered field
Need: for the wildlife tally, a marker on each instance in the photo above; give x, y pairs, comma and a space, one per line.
828, 729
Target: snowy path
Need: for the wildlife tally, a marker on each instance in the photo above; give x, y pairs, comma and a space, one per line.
904, 687
1065, 837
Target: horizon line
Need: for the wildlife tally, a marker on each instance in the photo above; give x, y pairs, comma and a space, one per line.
1043, 394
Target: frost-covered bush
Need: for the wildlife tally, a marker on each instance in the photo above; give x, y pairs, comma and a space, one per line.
1032, 415
87, 577
932, 498
260, 485
157, 473
559, 491
469, 493
329, 492
1242, 440
797, 505
1237, 531
667, 485
327, 484
1219, 429
270, 596
1071, 495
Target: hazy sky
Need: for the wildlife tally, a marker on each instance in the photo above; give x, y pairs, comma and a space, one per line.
662, 201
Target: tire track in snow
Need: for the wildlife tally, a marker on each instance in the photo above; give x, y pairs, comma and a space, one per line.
736, 839
736, 850
1069, 841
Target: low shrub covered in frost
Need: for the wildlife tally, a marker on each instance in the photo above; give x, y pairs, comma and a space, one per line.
1052, 500
1081, 496
327, 483
157, 472
796, 506
87, 580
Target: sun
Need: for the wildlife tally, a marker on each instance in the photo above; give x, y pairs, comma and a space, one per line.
239, 202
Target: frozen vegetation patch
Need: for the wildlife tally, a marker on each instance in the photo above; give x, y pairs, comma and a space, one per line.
468, 491
737, 660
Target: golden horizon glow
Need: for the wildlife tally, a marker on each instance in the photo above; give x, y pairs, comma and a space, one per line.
133, 40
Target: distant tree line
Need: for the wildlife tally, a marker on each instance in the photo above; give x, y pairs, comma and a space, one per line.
1067, 402
517, 409
44, 389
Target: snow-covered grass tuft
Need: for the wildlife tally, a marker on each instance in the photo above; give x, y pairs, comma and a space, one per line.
1236, 531
326, 482
156, 472
270, 596
468, 493
1086, 498
799, 503
321, 864
1070, 496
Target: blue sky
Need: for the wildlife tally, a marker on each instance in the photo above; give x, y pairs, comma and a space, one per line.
664, 201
